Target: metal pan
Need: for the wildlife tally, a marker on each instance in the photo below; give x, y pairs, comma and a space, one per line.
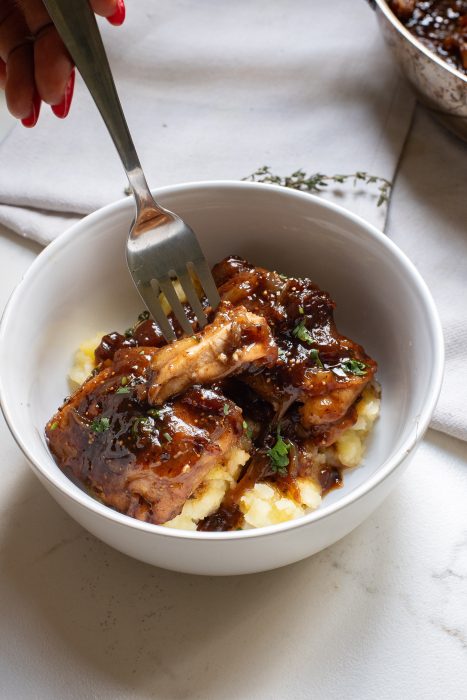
439, 86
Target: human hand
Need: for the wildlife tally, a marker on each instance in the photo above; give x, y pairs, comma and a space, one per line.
34, 64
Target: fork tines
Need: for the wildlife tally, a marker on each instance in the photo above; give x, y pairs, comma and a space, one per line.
151, 295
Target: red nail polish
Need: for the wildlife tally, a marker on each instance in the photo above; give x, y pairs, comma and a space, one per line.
118, 16
31, 121
61, 110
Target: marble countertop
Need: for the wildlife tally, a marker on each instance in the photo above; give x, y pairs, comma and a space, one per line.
381, 614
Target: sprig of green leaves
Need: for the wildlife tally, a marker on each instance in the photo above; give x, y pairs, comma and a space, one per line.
317, 182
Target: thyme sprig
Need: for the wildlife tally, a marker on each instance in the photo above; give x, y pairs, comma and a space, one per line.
317, 182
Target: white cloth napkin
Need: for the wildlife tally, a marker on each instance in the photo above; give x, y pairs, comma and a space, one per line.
214, 90
427, 219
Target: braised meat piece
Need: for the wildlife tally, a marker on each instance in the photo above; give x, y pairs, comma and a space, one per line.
235, 341
270, 375
317, 366
141, 461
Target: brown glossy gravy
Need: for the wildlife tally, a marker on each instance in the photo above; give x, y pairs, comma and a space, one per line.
441, 25
146, 460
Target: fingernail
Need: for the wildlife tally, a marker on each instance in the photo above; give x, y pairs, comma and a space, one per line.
31, 121
118, 16
61, 110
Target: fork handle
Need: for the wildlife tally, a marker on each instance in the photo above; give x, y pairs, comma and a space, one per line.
77, 26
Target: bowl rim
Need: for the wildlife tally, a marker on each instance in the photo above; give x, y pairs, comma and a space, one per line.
73, 493
397, 24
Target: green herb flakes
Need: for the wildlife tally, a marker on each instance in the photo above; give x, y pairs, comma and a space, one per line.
226, 409
54, 425
247, 429
314, 354
302, 333
167, 437
279, 455
301, 310
144, 422
355, 367
154, 413
100, 425
123, 390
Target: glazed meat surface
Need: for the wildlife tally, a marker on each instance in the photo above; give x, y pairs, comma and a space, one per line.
317, 366
140, 460
143, 432
236, 340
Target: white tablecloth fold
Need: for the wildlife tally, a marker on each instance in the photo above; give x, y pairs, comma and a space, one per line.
214, 90
427, 219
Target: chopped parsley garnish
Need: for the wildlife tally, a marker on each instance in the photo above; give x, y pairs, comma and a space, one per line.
247, 429
314, 354
100, 425
154, 413
54, 425
302, 333
301, 310
167, 437
123, 390
355, 367
124, 381
144, 421
226, 409
279, 455
144, 315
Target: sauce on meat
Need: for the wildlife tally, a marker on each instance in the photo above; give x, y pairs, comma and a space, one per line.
146, 460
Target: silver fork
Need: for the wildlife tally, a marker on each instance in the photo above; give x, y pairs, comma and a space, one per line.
160, 247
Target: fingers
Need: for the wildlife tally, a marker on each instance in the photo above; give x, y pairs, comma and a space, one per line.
17, 72
34, 13
104, 8
2, 74
53, 65
19, 87
13, 28
34, 63
117, 17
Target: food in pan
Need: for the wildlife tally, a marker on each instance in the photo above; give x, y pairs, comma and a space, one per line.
441, 25
245, 424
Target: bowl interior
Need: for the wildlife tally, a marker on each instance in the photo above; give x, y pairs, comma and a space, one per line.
80, 286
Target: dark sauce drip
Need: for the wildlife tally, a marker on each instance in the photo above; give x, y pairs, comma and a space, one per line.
330, 478
109, 345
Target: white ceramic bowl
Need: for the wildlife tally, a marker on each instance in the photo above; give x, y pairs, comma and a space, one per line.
80, 285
